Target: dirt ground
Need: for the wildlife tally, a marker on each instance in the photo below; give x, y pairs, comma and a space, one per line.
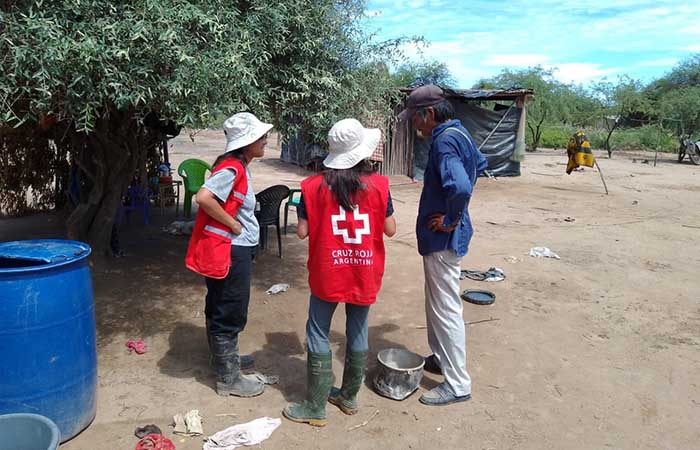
600, 349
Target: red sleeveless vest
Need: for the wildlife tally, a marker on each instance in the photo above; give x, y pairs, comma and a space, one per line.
346, 249
209, 251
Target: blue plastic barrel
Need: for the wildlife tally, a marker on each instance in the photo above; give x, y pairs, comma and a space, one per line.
48, 358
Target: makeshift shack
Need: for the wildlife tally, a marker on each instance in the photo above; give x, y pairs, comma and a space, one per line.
496, 119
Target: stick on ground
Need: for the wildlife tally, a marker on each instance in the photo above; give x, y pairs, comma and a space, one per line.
601, 177
365, 422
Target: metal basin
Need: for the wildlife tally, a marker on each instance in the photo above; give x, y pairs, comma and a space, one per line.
398, 373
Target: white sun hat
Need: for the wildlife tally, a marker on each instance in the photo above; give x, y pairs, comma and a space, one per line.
242, 129
349, 143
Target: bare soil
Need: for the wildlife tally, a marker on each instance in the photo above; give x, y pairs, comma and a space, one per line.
600, 349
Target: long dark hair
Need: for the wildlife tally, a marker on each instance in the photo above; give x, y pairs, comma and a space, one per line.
237, 153
344, 183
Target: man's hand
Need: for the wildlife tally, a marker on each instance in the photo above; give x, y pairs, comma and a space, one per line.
236, 227
435, 223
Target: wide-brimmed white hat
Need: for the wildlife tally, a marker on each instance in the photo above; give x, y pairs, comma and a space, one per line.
349, 143
242, 129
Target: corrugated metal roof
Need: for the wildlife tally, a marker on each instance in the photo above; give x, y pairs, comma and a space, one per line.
483, 94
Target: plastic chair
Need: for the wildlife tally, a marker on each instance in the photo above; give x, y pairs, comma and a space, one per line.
193, 172
270, 201
137, 199
291, 201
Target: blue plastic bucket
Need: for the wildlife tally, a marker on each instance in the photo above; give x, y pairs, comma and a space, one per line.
28, 432
47, 333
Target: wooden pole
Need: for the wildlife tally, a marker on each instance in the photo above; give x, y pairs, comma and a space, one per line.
601, 176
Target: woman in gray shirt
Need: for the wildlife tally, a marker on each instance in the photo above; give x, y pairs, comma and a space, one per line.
227, 299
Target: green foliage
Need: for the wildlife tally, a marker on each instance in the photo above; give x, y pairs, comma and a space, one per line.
189, 61
679, 110
430, 72
646, 137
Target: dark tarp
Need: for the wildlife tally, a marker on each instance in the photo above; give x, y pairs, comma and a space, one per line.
499, 148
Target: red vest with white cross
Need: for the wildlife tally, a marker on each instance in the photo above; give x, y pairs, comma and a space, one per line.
209, 252
346, 248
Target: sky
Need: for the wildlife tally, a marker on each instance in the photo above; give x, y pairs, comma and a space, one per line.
584, 40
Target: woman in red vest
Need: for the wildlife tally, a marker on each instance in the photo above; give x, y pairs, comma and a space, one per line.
345, 211
222, 246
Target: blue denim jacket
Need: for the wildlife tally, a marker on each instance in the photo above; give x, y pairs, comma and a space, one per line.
454, 163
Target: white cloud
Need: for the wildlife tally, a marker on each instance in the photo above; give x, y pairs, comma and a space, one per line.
663, 62
691, 48
516, 60
373, 13
693, 29
580, 72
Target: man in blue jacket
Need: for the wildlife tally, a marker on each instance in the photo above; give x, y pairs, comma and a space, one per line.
444, 230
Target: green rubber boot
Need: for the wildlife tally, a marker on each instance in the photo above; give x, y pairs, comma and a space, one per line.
345, 398
319, 379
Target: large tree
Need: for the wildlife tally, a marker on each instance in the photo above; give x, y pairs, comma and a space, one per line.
548, 104
424, 72
85, 81
620, 100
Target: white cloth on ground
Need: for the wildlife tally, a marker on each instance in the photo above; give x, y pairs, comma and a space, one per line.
245, 434
443, 313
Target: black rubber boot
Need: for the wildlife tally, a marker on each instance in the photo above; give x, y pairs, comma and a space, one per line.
247, 361
229, 379
345, 398
319, 379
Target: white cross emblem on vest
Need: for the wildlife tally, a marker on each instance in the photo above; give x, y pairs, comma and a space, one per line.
336, 219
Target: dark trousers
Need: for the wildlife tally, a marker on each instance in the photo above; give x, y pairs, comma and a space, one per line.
227, 299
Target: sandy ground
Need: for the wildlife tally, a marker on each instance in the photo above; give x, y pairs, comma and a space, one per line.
599, 349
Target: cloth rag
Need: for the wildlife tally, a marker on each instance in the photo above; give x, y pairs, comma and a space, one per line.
136, 346
245, 434
155, 442
493, 274
267, 379
188, 425
277, 288
142, 432
543, 252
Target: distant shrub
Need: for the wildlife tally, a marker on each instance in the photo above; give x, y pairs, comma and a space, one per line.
641, 138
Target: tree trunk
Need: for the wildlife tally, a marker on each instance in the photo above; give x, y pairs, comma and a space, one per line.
110, 157
607, 139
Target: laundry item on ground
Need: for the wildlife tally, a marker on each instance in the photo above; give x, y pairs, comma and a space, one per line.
543, 252
155, 442
245, 434
180, 228
136, 346
277, 288
493, 274
267, 379
511, 259
141, 432
188, 425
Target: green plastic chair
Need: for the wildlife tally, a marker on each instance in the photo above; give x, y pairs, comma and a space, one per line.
193, 172
291, 201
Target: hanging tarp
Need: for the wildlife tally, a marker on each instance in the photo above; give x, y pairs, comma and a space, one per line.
499, 149
501, 128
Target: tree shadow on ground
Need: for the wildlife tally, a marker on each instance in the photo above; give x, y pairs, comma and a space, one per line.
270, 269
144, 293
188, 354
